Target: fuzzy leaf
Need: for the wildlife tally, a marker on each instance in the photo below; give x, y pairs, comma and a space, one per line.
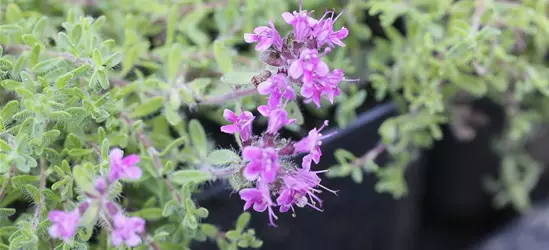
190, 175
83, 178
45, 66
4, 212
223, 56
198, 137
223, 156
150, 106
243, 221
63, 80
238, 78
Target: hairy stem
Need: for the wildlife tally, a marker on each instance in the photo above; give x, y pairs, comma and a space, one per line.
38, 209
369, 156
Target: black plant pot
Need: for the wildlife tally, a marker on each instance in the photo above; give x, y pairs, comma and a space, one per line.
457, 211
357, 218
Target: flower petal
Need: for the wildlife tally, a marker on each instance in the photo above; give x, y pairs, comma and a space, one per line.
250, 38
116, 239
229, 115
133, 173
296, 69
251, 153
249, 194
288, 17
230, 129
264, 110
260, 207
265, 87
116, 154
133, 240
131, 160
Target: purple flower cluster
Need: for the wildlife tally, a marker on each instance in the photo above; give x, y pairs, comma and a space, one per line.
125, 229
298, 57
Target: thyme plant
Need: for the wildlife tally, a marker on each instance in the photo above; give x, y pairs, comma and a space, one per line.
103, 103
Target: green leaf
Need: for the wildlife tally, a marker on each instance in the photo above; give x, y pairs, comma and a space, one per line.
97, 58
45, 66
13, 13
103, 79
4, 146
357, 175
175, 143
39, 26
238, 78
78, 152
34, 55
169, 208
10, 28
190, 221
472, 84
5, 64
222, 156
223, 56
190, 175
198, 137
22, 180
209, 230
4, 212
83, 178
150, 106
174, 60
201, 212
10, 109
64, 40
172, 115
63, 80
153, 213
233, 235
170, 27
243, 221
76, 34
10, 85
89, 218
114, 59
33, 191
30, 40
60, 115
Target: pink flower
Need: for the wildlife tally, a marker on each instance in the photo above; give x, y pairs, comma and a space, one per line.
322, 85
64, 224
278, 87
309, 63
278, 118
263, 162
324, 32
265, 36
123, 167
300, 188
241, 124
101, 185
127, 230
331, 82
260, 198
311, 145
301, 22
